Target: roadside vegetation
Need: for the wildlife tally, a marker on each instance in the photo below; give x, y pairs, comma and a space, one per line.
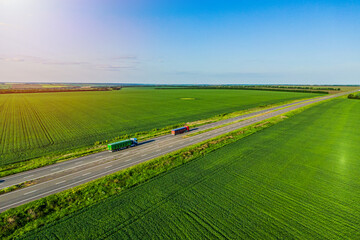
277, 183
354, 96
16, 187
26, 124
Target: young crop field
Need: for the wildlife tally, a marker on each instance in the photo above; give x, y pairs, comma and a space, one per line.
296, 179
36, 124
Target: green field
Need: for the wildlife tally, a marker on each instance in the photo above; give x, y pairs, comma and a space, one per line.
4, 86
296, 179
36, 124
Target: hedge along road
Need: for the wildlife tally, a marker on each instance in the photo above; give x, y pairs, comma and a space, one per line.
75, 172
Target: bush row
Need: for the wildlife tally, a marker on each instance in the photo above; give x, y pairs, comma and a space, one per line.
354, 96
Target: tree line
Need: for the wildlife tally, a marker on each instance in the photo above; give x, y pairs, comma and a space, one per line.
262, 88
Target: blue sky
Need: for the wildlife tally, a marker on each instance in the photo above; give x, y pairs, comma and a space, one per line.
158, 41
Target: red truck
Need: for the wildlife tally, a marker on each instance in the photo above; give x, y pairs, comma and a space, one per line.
180, 130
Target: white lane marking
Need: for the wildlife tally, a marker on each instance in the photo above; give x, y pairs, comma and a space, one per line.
30, 192
172, 143
109, 166
60, 182
152, 146
55, 169
128, 154
86, 174
28, 176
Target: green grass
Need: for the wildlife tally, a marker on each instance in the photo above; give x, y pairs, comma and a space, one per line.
35, 125
296, 179
52, 85
354, 96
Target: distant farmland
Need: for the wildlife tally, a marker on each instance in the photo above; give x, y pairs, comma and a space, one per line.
32, 125
296, 180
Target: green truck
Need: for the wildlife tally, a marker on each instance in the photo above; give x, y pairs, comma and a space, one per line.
122, 144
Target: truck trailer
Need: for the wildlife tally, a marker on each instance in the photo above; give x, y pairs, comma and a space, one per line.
122, 144
180, 130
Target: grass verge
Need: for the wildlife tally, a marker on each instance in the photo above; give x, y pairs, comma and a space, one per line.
16, 187
17, 221
101, 146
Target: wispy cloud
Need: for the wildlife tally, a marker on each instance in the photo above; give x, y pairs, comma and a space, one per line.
125, 57
3, 24
109, 67
112, 64
14, 59
54, 62
186, 73
223, 74
40, 60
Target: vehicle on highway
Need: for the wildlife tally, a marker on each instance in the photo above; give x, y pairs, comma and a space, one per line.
122, 144
180, 130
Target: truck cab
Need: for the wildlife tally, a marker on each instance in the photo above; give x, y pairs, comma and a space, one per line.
135, 141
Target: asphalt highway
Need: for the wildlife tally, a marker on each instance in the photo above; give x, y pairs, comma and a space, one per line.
58, 177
